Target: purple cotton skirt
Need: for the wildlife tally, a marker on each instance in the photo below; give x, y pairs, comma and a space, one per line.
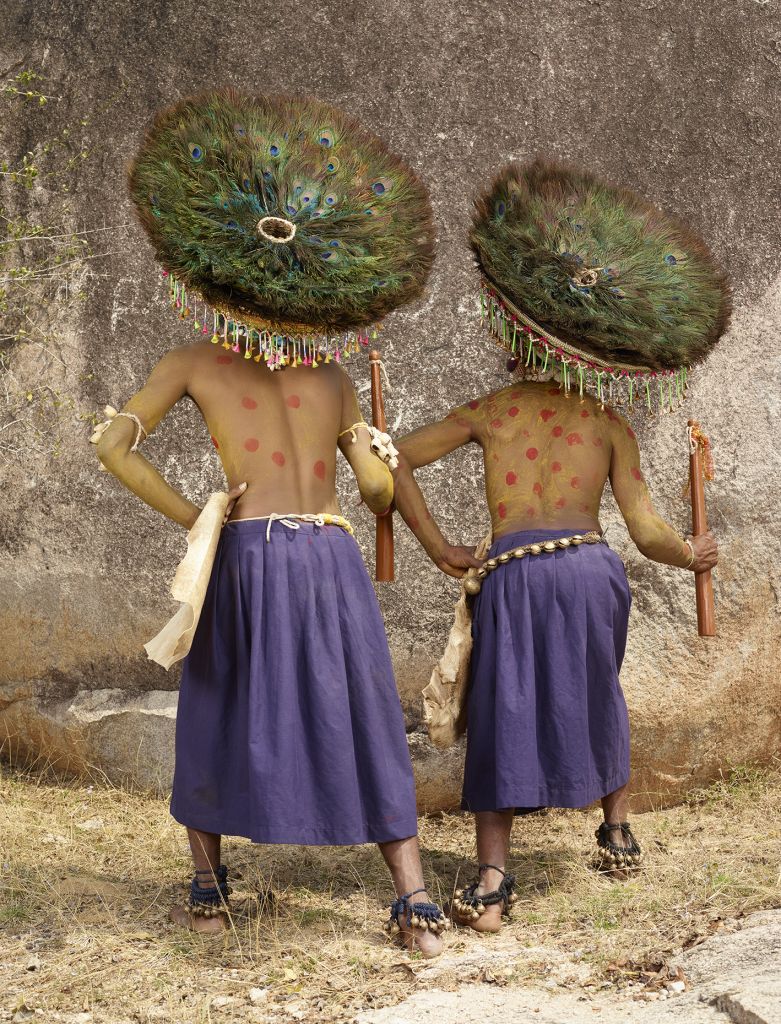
289, 728
547, 720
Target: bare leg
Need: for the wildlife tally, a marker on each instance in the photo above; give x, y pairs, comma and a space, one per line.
615, 807
493, 844
205, 848
403, 859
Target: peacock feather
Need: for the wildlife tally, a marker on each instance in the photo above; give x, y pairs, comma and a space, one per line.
281, 212
599, 266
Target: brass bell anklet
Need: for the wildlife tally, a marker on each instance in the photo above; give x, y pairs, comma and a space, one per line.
609, 856
469, 905
210, 900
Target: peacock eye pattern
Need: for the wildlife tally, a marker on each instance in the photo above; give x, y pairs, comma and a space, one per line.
329, 193
564, 255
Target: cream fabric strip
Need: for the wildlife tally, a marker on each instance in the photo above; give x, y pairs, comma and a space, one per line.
444, 699
189, 586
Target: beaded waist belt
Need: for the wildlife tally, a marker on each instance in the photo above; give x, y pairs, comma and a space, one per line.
472, 582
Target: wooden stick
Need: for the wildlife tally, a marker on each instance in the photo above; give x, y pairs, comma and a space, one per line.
703, 583
384, 535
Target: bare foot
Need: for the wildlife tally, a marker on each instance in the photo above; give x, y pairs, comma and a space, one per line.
428, 943
194, 923
491, 918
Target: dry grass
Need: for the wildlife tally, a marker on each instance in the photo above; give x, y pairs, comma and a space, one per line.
89, 873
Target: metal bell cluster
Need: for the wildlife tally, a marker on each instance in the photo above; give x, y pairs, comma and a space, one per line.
610, 856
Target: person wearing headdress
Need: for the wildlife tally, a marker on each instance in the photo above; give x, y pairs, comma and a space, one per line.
602, 301
286, 231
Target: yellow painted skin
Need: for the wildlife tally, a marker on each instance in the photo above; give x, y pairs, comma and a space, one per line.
547, 457
277, 432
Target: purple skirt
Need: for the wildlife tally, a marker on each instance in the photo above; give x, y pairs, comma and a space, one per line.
547, 720
289, 728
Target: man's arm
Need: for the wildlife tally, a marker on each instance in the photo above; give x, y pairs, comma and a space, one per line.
166, 385
421, 447
653, 536
374, 478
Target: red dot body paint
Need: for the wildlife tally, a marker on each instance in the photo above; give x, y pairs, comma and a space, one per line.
584, 414
560, 503
278, 458
511, 479
252, 444
474, 404
224, 360
575, 482
496, 424
214, 441
293, 401
414, 522
532, 453
555, 467
546, 414
319, 469
249, 403
636, 473
630, 433
597, 441
501, 508
530, 511
513, 411
557, 431
574, 438
538, 489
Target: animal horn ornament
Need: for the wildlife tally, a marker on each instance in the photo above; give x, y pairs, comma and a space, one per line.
285, 229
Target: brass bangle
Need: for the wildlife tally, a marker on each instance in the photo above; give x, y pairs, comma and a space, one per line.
690, 546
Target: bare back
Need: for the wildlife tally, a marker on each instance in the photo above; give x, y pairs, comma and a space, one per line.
546, 455
547, 458
278, 432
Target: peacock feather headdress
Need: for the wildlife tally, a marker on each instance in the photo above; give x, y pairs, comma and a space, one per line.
620, 297
292, 227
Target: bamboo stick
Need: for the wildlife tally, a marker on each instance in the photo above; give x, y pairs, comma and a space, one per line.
384, 571
703, 583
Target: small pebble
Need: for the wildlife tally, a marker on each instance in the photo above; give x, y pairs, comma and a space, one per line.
677, 986
258, 995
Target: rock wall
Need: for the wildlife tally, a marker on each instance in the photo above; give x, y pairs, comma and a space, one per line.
676, 99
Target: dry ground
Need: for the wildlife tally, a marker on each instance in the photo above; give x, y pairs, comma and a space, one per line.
89, 873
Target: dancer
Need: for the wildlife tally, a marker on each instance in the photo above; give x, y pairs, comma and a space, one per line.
601, 300
300, 231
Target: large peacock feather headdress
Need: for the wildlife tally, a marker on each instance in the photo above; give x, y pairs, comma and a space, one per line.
622, 298
292, 227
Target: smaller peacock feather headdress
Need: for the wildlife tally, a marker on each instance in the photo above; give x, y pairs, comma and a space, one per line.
284, 228
621, 298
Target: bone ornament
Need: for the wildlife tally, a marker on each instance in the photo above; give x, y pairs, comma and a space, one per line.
383, 447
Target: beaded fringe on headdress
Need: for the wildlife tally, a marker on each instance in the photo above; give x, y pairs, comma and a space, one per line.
277, 349
616, 383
